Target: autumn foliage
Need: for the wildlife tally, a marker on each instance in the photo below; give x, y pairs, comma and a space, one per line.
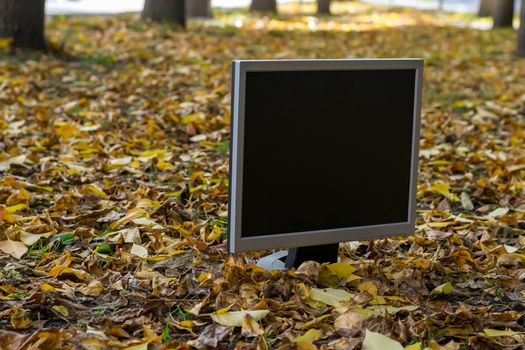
114, 184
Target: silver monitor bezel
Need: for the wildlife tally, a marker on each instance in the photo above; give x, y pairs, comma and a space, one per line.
236, 243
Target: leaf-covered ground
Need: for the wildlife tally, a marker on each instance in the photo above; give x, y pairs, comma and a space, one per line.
113, 193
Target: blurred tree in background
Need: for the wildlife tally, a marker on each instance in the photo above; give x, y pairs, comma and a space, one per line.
23, 20
264, 6
165, 10
503, 13
485, 8
198, 8
323, 7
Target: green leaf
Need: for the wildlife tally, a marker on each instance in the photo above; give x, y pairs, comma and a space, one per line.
64, 238
104, 249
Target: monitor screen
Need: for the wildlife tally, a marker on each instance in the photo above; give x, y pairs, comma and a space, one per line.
324, 150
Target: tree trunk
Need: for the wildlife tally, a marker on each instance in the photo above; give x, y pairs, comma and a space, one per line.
502, 13
165, 11
264, 6
323, 7
198, 8
23, 20
521, 31
485, 8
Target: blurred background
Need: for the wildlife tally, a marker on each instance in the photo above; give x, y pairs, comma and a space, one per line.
120, 6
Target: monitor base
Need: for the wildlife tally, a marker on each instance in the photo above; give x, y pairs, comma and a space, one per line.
294, 257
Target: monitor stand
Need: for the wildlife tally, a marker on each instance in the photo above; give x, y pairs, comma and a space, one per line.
282, 260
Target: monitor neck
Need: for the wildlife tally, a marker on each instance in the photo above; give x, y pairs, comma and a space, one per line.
320, 253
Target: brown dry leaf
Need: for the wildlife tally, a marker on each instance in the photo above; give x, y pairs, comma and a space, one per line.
68, 272
93, 288
349, 321
20, 318
11, 340
211, 336
250, 327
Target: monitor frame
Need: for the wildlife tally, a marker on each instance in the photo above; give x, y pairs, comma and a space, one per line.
237, 243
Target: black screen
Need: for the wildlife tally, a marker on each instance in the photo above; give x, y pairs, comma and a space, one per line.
326, 149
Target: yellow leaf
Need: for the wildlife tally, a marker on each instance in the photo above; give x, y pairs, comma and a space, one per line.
310, 323
369, 287
329, 296
378, 341
216, 233
15, 208
60, 270
445, 288
154, 153
20, 196
236, 318
331, 274
5, 43
444, 190
13, 248
20, 318
165, 166
61, 309
415, 346
5, 216
498, 333
341, 270
96, 190
186, 323
310, 336
46, 287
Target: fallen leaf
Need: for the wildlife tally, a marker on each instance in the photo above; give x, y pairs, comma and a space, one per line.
348, 321
415, 346
305, 341
378, 341
329, 296
68, 272
139, 250
499, 333
13, 248
250, 327
236, 318
445, 288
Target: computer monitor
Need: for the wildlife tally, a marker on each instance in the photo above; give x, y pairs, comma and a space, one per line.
322, 151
